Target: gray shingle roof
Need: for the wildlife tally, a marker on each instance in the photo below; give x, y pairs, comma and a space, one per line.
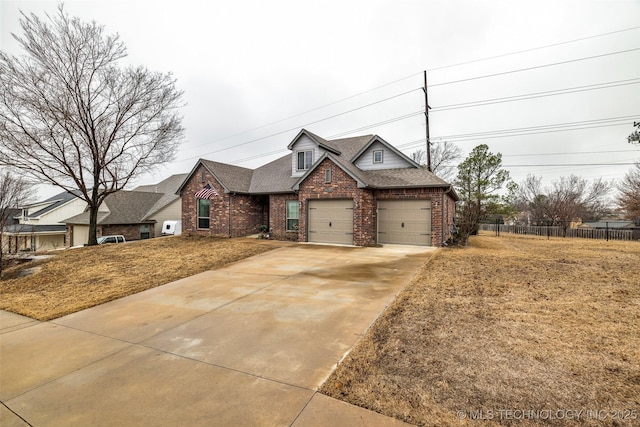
408, 177
55, 202
234, 179
275, 177
167, 187
125, 207
30, 229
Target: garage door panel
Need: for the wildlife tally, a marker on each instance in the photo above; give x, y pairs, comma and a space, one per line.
405, 222
331, 221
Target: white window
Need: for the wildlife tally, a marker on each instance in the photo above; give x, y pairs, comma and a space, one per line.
327, 175
377, 156
305, 159
293, 213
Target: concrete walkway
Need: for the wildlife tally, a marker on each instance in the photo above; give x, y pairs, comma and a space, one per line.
247, 344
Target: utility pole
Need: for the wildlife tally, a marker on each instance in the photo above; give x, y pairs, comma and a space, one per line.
426, 115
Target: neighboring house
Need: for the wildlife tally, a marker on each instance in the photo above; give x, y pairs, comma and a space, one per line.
169, 207
124, 212
357, 191
613, 224
39, 226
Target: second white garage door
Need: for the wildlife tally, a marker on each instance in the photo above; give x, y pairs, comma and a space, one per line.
331, 221
404, 222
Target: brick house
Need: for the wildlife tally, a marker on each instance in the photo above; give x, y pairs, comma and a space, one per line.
124, 212
358, 191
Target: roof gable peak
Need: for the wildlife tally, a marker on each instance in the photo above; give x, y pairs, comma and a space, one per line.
316, 139
376, 138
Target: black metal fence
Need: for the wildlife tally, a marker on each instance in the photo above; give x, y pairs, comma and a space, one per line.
555, 231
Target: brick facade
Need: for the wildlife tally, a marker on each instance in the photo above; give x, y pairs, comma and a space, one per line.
234, 215
442, 208
230, 215
342, 186
278, 217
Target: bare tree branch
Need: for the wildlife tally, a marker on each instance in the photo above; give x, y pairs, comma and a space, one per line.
14, 193
444, 158
70, 116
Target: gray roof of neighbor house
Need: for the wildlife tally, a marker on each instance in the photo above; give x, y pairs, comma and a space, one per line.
124, 207
12, 213
55, 202
275, 177
168, 188
31, 229
608, 224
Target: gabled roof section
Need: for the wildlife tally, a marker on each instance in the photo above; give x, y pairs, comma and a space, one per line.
167, 188
234, 179
125, 207
327, 145
54, 202
375, 139
274, 177
348, 171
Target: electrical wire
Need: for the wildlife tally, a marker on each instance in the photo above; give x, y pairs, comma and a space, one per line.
313, 109
536, 67
554, 125
532, 49
536, 95
306, 124
506, 99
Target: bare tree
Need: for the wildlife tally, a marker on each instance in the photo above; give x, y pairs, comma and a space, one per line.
72, 117
629, 199
14, 192
443, 158
531, 198
565, 200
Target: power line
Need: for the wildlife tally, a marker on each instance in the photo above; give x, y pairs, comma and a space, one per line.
542, 129
536, 67
540, 132
395, 119
536, 95
312, 110
413, 75
306, 124
565, 124
395, 96
532, 49
569, 164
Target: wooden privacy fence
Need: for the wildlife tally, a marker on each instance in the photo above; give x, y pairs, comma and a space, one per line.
555, 231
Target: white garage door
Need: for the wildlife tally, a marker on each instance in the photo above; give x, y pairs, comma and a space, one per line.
404, 222
331, 221
80, 235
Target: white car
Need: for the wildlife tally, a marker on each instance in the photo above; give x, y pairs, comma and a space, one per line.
111, 239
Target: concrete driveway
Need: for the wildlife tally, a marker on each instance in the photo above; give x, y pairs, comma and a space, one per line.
247, 344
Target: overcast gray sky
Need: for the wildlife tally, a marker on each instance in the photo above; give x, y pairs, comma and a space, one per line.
255, 72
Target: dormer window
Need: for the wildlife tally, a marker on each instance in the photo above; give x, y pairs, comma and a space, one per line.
305, 159
377, 156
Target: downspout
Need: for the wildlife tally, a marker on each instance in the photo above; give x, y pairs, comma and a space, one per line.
444, 194
230, 215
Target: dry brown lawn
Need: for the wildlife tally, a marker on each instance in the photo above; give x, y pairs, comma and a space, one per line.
80, 278
512, 330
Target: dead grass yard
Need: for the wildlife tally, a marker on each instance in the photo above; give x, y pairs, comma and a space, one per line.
510, 323
80, 278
